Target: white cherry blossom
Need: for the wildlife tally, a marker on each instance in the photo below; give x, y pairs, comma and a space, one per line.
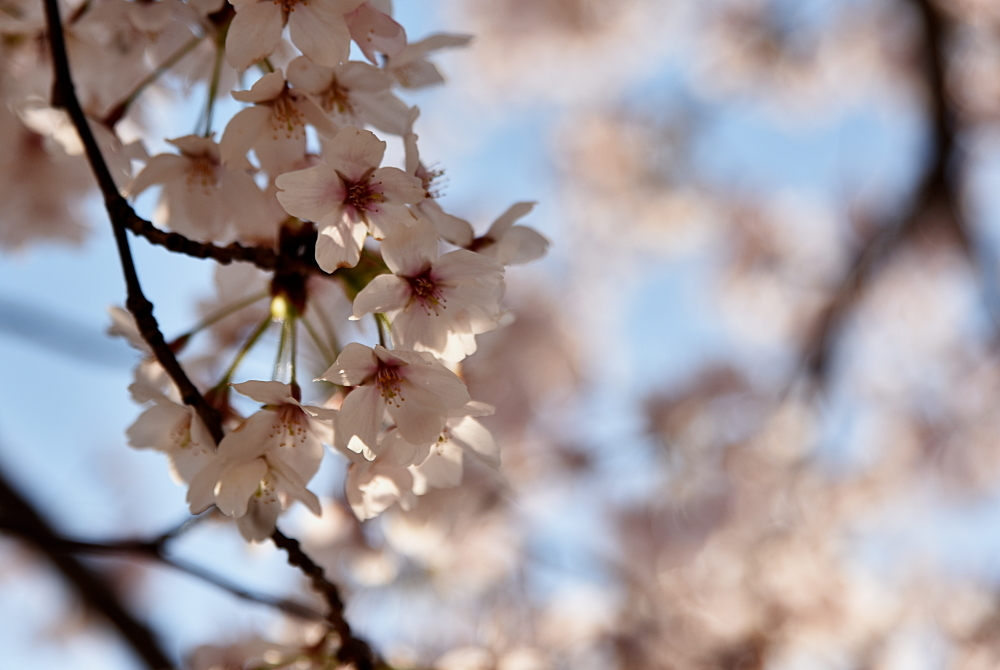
437, 304
374, 486
268, 459
450, 228
317, 27
416, 391
410, 66
353, 94
348, 196
168, 425
510, 244
275, 127
202, 198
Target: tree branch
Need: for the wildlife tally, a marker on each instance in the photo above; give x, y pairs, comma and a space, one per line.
154, 550
353, 650
92, 588
935, 204
64, 96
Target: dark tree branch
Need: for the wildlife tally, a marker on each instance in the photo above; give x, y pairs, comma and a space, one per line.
934, 206
353, 649
153, 550
92, 588
64, 96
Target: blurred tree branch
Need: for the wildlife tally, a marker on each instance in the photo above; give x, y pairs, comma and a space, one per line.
89, 585
935, 204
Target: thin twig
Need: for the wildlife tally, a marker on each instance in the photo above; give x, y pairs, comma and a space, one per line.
353, 649
64, 96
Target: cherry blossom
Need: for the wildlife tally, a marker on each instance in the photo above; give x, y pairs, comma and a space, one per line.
201, 197
510, 244
348, 196
415, 390
269, 458
168, 425
410, 66
353, 94
375, 31
438, 304
450, 228
318, 28
439, 464
275, 127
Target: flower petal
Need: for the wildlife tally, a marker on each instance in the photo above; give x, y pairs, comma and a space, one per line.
384, 293
253, 34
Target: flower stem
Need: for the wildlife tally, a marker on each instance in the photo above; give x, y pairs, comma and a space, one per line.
223, 312
384, 336
324, 352
149, 79
282, 362
247, 346
213, 88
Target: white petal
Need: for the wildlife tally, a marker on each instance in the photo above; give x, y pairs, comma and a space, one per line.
266, 393
507, 219
416, 422
397, 187
355, 364
408, 251
384, 293
360, 415
451, 228
435, 386
520, 245
159, 169
320, 33
253, 34
241, 133
354, 151
339, 242
236, 484
265, 89
312, 193
472, 435
442, 469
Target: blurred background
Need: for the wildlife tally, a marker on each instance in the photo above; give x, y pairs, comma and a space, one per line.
748, 407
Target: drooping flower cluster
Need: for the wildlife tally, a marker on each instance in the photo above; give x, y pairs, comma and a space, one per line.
299, 170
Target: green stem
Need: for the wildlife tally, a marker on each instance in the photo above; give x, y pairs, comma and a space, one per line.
252, 340
281, 361
293, 345
174, 58
222, 313
382, 321
213, 88
324, 352
325, 323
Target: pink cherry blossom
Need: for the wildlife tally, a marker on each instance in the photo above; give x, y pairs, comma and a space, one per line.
438, 304
202, 198
416, 391
317, 27
275, 127
269, 458
348, 196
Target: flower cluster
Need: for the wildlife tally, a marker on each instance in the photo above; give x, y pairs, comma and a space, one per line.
299, 170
